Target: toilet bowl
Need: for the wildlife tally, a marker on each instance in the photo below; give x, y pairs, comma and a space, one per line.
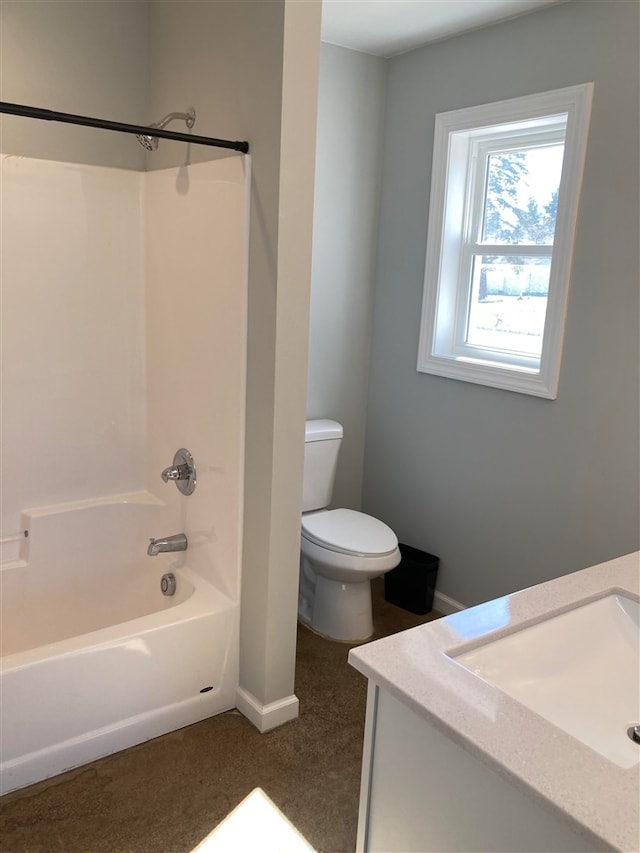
341, 551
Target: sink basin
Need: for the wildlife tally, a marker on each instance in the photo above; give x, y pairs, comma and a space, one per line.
580, 670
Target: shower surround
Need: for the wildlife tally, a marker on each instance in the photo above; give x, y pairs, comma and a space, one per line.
123, 339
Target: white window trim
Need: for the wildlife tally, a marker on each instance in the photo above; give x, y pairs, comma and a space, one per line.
437, 351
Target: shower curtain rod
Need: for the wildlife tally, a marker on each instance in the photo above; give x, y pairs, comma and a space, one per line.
121, 127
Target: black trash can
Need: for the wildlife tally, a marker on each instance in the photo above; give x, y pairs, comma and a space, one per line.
412, 583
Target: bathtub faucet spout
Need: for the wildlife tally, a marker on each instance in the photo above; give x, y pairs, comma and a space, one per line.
167, 543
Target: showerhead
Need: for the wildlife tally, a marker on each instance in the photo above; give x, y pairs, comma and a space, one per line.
151, 142
148, 142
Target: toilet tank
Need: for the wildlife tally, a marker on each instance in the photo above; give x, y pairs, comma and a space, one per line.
322, 439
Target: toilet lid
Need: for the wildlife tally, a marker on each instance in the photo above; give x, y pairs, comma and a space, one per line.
349, 532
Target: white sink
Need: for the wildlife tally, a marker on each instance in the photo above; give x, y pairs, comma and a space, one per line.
579, 670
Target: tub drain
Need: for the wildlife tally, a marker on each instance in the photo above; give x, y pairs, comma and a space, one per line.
634, 733
168, 583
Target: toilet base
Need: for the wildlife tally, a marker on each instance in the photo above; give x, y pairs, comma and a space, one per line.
309, 627
342, 611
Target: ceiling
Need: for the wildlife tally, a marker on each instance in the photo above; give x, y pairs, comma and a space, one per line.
389, 27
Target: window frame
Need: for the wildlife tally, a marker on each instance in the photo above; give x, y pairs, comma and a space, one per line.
481, 147
458, 138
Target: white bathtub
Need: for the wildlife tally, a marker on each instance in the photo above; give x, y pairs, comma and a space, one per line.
94, 657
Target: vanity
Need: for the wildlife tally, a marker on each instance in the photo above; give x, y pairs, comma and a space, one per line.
509, 726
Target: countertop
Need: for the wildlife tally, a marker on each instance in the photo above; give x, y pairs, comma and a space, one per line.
596, 797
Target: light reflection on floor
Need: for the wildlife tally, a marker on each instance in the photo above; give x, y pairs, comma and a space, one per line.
255, 824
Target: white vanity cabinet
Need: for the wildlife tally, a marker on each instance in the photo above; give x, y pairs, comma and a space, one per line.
422, 792
454, 762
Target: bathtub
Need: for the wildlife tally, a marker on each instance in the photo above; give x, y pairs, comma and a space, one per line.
94, 658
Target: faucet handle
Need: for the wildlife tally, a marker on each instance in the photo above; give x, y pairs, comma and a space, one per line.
175, 472
182, 472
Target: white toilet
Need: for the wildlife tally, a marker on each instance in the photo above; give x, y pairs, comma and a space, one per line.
340, 549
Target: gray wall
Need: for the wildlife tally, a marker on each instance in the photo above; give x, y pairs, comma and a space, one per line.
510, 490
348, 160
88, 58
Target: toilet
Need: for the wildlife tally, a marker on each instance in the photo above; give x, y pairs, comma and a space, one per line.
341, 550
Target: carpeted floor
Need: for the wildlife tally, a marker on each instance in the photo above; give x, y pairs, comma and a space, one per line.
166, 795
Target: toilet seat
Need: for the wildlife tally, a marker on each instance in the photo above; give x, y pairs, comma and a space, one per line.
346, 531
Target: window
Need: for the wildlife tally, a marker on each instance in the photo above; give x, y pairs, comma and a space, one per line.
504, 198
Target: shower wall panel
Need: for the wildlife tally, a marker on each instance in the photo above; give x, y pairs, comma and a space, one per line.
72, 367
124, 339
196, 248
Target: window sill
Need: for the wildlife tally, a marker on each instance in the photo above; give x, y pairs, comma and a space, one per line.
522, 380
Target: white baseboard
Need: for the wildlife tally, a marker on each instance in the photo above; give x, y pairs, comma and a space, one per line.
443, 604
266, 717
